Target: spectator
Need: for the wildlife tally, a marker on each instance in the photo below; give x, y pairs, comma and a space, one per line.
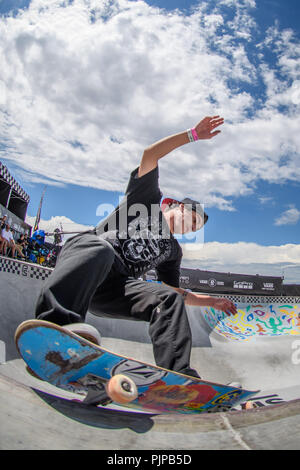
3, 222
24, 242
26, 245
2, 225
7, 238
1, 242
20, 246
8, 242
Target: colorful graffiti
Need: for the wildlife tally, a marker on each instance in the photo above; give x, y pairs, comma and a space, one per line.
255, 320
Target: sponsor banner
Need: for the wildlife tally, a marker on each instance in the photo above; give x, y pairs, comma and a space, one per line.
292, 290
209, 281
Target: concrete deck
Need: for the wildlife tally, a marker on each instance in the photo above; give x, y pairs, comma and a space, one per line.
260, 348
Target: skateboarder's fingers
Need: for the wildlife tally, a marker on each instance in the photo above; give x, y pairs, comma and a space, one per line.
231, 309
226, 306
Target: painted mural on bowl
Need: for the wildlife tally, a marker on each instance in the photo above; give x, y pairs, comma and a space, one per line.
254, 320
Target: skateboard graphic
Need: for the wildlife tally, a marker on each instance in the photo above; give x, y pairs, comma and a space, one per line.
73, 363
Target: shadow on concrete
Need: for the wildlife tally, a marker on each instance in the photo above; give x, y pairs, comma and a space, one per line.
97, 416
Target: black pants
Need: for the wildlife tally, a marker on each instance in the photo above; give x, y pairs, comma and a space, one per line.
86, 277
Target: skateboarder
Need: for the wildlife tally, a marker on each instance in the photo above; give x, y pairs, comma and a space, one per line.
100, 270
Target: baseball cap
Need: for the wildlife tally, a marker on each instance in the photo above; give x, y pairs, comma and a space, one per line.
191, 203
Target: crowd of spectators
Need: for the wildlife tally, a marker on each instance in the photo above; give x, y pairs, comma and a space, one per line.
9, 244
23, 247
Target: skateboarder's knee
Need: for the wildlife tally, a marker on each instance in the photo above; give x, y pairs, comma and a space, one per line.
103, 250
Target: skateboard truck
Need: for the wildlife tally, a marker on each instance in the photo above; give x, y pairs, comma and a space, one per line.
120, 389
96, 394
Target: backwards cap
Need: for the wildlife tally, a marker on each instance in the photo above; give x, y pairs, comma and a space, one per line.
193, 205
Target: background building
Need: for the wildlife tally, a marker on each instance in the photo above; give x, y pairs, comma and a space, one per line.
13, 202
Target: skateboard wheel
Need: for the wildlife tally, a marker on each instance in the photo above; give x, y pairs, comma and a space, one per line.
249, 405
121, 389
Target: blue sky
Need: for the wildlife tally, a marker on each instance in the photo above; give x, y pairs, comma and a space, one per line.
77, 110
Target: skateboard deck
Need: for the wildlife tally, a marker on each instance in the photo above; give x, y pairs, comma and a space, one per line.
73, 363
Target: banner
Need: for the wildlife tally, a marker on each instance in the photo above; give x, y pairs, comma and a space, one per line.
210, 282
226, 283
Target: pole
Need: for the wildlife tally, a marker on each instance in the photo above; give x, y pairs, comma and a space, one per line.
38, 215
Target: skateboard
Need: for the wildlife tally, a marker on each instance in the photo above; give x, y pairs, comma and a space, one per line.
73, 363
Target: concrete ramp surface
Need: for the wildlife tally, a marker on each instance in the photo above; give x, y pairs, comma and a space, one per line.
259, 348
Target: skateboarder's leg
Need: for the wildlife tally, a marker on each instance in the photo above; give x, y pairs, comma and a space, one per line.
170, 333
83, 264
157, 304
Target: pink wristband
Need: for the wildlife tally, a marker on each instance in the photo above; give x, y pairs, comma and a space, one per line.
195, 135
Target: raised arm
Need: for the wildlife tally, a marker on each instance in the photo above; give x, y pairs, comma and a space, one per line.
205, 129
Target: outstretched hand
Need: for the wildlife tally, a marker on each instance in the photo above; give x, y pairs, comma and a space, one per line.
225, 305
205, 128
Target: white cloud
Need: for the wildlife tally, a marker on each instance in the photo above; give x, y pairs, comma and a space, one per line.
210, 253
63, 223
266, 200
289, 217
242, 253
245, 258
241, 257
134, 74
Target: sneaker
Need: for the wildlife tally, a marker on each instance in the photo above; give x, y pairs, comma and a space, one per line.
86, 331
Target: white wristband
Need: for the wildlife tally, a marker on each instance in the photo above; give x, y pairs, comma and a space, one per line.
190, 135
